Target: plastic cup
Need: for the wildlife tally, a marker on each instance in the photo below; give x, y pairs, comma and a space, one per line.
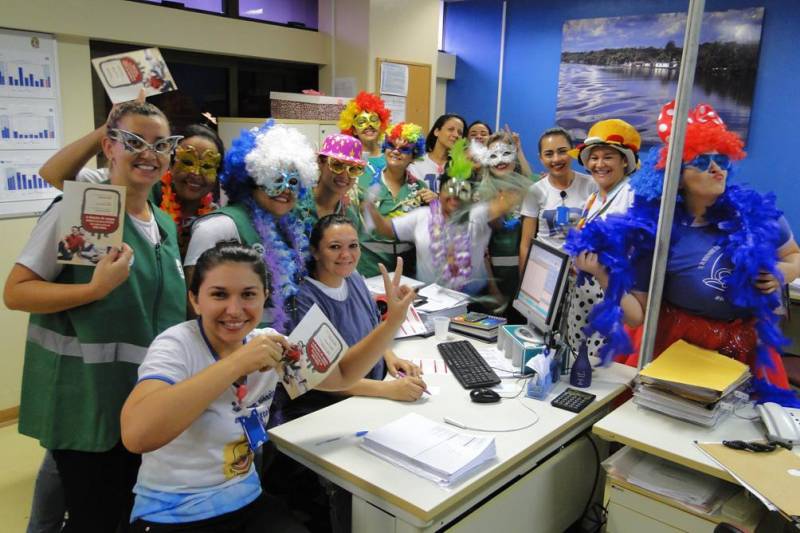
440, 326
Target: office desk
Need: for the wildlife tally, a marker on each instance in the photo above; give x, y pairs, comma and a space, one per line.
672, 439
389, 498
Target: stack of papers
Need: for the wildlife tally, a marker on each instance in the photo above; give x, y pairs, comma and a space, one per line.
691, 383
429, 449
442, 301
375, 284
696, 490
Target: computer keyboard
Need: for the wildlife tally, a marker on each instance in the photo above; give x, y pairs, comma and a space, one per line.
470, 369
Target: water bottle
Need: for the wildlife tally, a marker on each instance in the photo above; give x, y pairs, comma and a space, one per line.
581, 374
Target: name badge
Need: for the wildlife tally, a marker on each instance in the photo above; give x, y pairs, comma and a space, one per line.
562, 215
253, 429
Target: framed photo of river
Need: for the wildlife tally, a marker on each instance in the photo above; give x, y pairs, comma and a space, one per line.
627, 67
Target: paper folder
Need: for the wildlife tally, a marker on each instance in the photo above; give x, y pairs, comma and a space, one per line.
691, 365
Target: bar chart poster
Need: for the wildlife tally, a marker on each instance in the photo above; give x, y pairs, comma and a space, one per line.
29, 125
22, 190
27, 66
30, 120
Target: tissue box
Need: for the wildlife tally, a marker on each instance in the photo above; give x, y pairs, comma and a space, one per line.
518, 347
539, 388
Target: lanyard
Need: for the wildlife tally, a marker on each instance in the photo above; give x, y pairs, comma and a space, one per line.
609, 198
239, 389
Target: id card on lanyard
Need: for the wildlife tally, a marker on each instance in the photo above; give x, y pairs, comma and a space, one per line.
585, 219
252, 425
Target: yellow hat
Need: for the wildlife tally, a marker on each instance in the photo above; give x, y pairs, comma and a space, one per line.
614, 133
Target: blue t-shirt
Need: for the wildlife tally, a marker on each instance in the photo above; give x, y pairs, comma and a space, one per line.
697, 272
354, 318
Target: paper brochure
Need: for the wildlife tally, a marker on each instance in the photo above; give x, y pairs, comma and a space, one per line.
316, 348
91, 222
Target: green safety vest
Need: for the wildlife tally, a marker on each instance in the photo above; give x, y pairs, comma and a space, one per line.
81, 363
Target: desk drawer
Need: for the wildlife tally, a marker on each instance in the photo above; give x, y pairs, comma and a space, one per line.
631, 512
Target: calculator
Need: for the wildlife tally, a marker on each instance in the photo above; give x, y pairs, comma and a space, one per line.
573, 400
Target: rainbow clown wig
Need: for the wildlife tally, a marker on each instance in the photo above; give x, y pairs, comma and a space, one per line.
748, 226
363, 111
260, 155
406, 134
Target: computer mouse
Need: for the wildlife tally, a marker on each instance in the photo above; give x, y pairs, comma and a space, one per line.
484, 396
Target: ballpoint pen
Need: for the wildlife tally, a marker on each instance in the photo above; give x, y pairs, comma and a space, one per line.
402, 374
340, 437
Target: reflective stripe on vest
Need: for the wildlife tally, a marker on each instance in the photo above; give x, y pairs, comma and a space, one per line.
387, 247
505, 261
90, 353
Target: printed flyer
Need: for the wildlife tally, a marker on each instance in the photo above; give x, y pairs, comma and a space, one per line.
91, 223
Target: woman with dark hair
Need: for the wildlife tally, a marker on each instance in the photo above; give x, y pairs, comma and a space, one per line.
554, 204
440, 139
90, 327
479, 131
198, 383
185, 191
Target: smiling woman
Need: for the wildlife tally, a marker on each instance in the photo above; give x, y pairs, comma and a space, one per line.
265, 173
79, 334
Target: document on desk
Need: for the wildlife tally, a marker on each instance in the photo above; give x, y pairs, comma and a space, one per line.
773, 477
441, 298
429, 449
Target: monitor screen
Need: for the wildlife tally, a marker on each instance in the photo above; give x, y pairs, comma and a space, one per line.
543, 285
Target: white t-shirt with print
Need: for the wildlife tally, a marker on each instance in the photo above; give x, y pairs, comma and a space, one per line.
213, 451
542, 200
415, 227
428, 170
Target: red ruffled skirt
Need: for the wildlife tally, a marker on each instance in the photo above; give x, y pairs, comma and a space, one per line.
735, 339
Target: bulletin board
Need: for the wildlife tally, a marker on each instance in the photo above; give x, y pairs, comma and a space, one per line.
30, 120
406, 89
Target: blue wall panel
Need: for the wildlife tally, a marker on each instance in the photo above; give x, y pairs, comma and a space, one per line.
530, 80
473, 34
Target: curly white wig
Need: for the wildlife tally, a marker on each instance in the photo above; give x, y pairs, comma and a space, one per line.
278, 149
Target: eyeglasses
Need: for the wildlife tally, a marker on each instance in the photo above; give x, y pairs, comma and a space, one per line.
703, 162
340, 167
136, 145
403, 149
285, 181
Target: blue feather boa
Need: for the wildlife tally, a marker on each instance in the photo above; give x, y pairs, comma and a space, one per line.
748, 222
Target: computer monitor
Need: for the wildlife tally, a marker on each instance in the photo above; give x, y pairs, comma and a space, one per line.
543, 285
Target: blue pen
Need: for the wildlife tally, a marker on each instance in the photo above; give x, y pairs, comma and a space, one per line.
334, 439
402, 374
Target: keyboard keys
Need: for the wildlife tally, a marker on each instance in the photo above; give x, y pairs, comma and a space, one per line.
470, 369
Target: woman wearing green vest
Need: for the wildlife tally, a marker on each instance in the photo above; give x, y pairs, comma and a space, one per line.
266, 172
90, 326
395, 192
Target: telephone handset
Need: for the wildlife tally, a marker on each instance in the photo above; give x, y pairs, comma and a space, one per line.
782, 424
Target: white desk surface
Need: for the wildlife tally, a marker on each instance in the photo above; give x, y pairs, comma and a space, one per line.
412, 497
673, 439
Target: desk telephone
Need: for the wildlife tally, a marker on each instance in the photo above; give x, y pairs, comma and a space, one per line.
782, 425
